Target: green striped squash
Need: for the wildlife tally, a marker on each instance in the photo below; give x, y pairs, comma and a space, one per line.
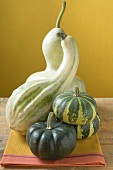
74, 107
87, 130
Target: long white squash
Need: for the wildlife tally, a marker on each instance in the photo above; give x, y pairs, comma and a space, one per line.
53, 54
32, 101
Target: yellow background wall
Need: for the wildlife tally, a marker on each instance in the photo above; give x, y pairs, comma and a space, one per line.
24, 24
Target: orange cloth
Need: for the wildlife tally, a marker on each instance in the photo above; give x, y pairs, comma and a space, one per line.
86, 153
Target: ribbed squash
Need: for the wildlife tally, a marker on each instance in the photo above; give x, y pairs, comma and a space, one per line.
32, 101
87, 130
75, 107
51, 140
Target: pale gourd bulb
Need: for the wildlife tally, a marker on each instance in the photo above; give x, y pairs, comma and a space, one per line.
51, 47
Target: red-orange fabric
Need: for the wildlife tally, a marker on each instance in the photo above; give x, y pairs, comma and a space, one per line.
86, 153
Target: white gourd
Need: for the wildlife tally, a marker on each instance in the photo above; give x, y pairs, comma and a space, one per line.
32, 101
53, 54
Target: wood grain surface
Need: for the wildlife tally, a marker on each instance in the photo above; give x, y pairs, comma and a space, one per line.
105, 134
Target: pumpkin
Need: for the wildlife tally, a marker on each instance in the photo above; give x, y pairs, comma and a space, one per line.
32, 101
75, 107
87, 130
53, 54
51, 140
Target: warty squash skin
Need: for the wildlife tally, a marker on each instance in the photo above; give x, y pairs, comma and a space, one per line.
74, 107
53, 54
89, 129
51, 140
32, 101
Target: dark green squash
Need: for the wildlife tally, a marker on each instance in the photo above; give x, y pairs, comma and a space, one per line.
74, 107
89, 129
51, 140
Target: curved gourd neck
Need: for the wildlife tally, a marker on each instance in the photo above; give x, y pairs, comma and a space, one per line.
52, 64
54, 58
52, 50
70, 60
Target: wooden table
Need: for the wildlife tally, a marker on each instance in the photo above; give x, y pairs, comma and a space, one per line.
105, 133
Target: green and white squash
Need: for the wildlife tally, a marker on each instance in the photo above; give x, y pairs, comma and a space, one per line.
53, 55
32, 101
89, 129
75, 107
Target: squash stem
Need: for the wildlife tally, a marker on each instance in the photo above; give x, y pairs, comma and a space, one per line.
61, 14
61, 35
49, 120
76, 91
